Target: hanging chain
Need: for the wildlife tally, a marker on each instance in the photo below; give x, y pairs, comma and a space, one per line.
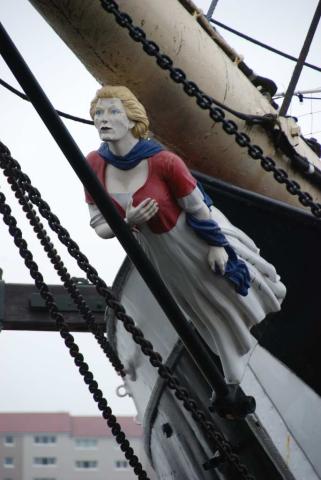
73, 348
217, 440
207, 103
8, 166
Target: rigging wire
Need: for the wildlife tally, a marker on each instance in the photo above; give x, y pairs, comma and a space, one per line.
308, 98
300, 92
263, 45
254, 119
60, 113
240, 115
299, 95
90, 122
309, 113
278, 52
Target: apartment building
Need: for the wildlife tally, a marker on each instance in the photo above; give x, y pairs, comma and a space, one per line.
58, 446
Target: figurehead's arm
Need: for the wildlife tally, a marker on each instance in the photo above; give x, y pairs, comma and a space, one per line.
191, 200
98, 223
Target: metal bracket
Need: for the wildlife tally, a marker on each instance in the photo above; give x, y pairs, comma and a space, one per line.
291, 129
121, 391
214, 461
235, 405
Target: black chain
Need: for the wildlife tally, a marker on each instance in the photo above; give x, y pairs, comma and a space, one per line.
217, 440
10, 168
207, 103
73, 348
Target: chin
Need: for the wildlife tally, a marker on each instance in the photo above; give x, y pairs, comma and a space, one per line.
106, 138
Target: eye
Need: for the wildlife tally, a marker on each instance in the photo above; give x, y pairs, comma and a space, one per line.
114, 111
98, 112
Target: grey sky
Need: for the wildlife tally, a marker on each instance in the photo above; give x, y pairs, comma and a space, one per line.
36, 372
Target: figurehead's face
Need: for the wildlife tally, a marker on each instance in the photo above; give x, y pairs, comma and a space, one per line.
111, 120
127, 102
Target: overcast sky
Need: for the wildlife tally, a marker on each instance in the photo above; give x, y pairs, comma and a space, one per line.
36, 372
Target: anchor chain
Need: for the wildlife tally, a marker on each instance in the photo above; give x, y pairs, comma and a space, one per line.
206, 102
73, 348
217, 440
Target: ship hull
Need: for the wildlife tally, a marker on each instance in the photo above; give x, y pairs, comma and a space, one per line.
281, 439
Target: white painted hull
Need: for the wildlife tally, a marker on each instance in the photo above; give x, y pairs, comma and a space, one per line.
287, 421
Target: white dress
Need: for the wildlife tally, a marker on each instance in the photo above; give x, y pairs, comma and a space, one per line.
222, 316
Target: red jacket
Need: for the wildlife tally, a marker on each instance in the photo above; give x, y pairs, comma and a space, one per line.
168, 179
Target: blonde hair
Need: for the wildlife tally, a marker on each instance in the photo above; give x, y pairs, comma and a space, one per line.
134, 109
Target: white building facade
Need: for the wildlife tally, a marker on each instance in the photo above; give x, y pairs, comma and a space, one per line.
57, 446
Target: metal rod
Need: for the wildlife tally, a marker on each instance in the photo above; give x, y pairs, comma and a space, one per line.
299, 92
303, 54
41, 103
211, 9
263, 45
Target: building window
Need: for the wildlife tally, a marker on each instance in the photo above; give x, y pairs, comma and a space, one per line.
8, 462
86, 464
121, 464
86, 442
9, 440
44, 461
44, 439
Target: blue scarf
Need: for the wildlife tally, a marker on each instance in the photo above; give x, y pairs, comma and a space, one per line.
143, 149
236, 270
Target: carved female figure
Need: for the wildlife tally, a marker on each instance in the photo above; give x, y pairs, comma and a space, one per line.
213, 269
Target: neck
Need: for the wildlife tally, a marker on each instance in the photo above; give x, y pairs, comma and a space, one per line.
124, 145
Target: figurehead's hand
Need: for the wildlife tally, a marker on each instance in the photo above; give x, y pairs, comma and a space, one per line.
217, 259
142, 213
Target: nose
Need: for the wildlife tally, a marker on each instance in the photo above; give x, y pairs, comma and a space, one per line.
105, 117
